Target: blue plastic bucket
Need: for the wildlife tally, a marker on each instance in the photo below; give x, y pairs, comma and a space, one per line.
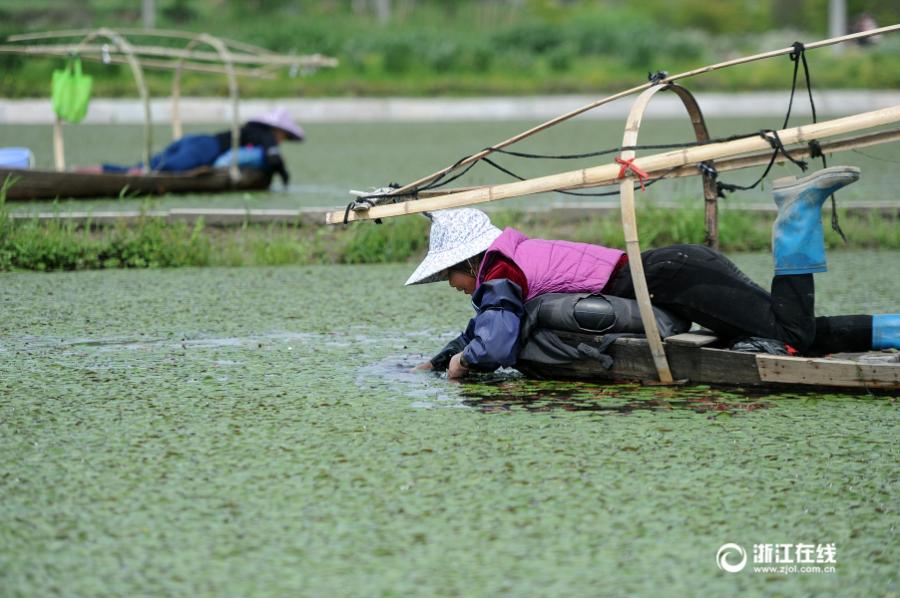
16, 157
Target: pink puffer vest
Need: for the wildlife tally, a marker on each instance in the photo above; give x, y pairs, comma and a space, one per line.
555, 266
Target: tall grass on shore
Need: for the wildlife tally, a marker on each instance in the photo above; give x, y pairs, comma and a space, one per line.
153, 242
59, 245
482, 48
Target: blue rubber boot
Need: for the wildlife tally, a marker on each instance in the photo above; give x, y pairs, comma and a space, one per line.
886, 331
798, 241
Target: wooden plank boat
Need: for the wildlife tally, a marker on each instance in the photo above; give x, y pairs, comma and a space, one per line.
30, 184
648, 358
699, 359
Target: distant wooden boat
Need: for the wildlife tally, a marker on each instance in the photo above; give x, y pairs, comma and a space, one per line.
697, 359
30, 184
230, 58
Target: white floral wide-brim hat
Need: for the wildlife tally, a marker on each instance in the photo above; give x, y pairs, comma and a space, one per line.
456, 235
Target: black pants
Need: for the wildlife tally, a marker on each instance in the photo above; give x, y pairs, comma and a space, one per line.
702, 285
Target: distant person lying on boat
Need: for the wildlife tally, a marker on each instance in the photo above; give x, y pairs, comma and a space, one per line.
264, 133
502, 270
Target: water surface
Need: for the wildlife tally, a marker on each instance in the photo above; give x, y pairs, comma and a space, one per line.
255, 431
339, 157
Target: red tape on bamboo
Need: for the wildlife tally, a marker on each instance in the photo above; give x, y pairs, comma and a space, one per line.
636, 170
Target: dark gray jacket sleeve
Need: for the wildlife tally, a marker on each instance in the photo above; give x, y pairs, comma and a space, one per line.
493, 334
441, 361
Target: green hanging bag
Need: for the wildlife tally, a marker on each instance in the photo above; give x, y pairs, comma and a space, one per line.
71, 91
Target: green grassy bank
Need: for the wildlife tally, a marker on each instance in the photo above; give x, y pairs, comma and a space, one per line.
476, 48
155, 243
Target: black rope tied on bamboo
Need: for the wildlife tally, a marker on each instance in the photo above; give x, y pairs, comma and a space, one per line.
799, 51
638, 185
442, 180
657, 77
814, 147
771, 136
776, 144
621, 148
369, 201
706, 168
797, 56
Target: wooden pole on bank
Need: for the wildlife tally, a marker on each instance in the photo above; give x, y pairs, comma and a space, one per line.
607, 174
59, 150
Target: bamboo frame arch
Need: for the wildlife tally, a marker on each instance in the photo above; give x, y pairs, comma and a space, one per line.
629, 219
406, 189
254, 60
219, 46
136, 70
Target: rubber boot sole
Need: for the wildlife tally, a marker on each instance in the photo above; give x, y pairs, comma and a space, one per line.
785, 183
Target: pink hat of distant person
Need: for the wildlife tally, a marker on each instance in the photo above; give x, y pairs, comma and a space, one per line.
280, 118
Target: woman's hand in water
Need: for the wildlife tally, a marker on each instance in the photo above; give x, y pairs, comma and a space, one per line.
423, 367
457, 369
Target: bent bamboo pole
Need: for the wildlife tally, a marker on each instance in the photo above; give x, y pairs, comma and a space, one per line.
607, 174
629, 228
305, 60
758, 159
692, 73
112, 58
798, 153
138, 73
226, 57
135, 32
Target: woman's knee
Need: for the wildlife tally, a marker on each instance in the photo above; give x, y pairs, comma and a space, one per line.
800, 336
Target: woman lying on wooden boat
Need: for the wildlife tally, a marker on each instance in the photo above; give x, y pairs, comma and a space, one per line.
502, 270
259, 144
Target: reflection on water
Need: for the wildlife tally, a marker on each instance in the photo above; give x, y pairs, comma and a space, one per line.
507, 390
534, 396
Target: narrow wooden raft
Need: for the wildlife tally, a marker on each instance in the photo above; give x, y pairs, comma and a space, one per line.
693, 359
683, 358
